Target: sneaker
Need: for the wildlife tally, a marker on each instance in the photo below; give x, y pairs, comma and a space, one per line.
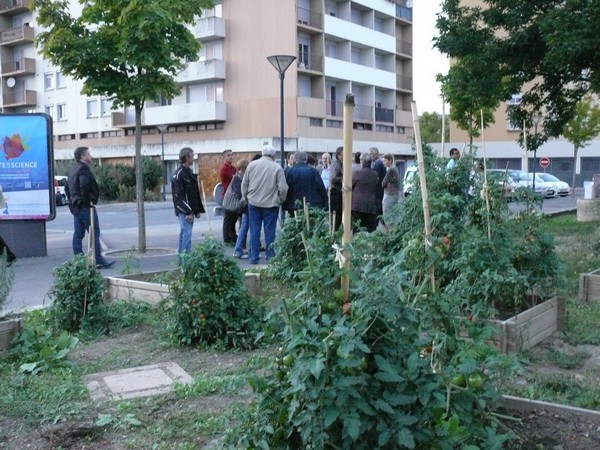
240, 255
105, 265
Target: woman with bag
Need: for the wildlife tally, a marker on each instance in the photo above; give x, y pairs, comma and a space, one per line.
233, 201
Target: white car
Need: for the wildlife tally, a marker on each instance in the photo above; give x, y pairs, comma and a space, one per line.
542, 187
561, 188
60, 181
408, 182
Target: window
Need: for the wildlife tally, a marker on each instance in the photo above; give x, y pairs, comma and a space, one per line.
515, 100
510, 126
105, 107
164, 101
48, 81
61, 111
303, 55
92, 108
61, 81
316, 122
401, 130
49, 109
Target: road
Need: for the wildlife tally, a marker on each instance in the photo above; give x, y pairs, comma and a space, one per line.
119, 233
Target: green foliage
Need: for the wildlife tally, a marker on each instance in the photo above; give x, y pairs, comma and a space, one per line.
431, 128
291, 258
117, 181
542, 50
125, 418
77, 297
568, 360
7, 276
209, 303
582, 323
39, 350
376, 372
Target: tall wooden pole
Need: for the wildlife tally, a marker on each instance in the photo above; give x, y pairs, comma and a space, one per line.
423, 182
347, 191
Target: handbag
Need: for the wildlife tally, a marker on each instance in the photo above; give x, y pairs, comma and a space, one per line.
231, 202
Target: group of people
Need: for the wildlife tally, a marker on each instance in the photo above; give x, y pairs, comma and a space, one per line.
258, 189
261, 188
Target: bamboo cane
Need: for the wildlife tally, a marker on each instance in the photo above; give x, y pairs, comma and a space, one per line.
424, 193
91, 256
205, 204
347, 192
485, 183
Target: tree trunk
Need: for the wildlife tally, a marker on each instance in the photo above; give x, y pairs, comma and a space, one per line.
575, 150
139, 179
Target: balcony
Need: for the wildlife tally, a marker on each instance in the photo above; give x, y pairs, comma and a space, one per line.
19, 97
404, 83
174, 114
209, 28
404, 48
211, 70
17, 36
384, 115
314, 63
20, 67
309, 21
12, 7
360, 112
404, 13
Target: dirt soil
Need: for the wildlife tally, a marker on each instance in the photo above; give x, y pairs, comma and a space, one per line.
539, 429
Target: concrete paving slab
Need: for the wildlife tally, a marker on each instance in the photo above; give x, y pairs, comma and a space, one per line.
135, 382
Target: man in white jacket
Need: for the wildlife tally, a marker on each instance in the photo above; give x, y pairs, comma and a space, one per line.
265, 189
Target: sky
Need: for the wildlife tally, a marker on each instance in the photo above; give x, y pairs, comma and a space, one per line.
427, 62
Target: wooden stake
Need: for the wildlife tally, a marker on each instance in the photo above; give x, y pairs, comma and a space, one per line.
423, 182
205, 205
485, 182
347, 191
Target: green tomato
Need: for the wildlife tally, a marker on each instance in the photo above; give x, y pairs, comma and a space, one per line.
288, 360
459, 380
476, 380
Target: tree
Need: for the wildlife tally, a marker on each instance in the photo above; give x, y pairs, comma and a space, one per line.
545, 50
582, 128
127, 50
431, 128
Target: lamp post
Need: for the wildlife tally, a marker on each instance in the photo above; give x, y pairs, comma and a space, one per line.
281, 63
536, 121
162, 129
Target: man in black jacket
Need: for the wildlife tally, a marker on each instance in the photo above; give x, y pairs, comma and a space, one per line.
83, 197
186, 199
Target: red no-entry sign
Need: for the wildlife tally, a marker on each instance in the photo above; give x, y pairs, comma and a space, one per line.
544, 161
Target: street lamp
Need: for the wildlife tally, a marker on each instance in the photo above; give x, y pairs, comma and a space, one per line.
536, 121
162, 129
281, 63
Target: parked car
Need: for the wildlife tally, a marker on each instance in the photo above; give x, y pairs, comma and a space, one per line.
542, 187
502, 178
60, 181
524, 179
561, 188
408, 182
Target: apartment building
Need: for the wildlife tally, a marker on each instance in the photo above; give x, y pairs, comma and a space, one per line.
230, 97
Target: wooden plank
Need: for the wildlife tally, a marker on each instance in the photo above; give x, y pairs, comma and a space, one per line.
538, 329
525, 404
583, 287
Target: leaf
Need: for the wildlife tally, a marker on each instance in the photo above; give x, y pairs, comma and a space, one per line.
28, 368
104, 420
351, 428
382, 405
405, 438
330, 415
317, 367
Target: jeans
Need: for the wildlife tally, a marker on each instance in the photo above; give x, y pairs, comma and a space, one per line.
240, 244
185, 235
259, 217
81, 224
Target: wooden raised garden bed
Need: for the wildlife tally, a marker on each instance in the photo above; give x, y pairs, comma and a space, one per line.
589, 286
530, 327
144, 287
8, 330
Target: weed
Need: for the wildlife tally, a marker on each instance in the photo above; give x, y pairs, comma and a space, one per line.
566, 360
582, 323
130, 263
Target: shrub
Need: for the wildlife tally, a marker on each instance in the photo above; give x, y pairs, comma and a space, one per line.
209, 303
77, 297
